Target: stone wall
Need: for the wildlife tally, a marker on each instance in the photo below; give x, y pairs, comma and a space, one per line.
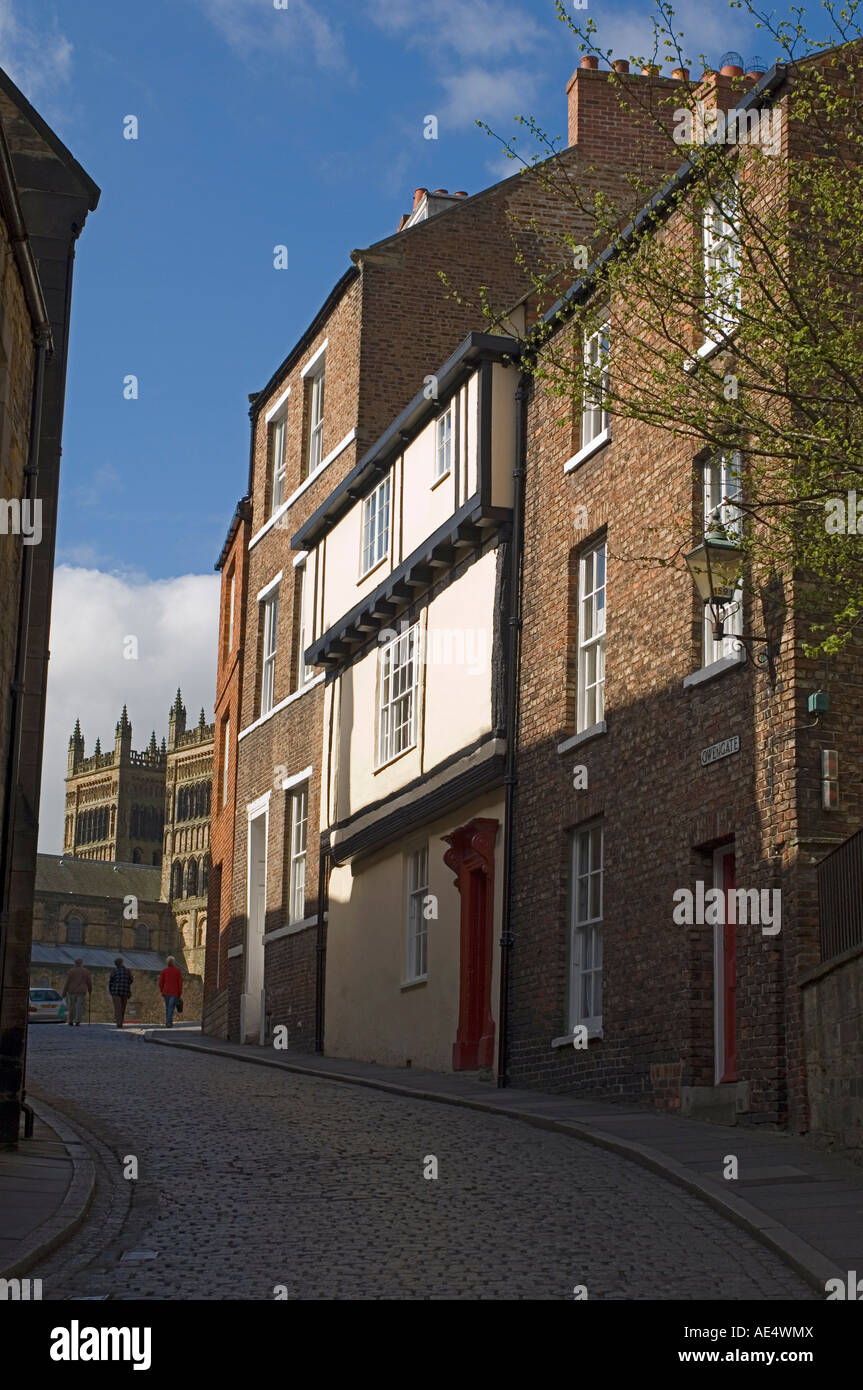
833, 1038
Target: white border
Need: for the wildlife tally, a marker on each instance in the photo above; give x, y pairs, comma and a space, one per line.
310, 365
288, 700
261, 803
297, 779
276, 408
604, 437
262, 593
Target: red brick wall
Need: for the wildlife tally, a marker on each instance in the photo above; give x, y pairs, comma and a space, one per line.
223, 930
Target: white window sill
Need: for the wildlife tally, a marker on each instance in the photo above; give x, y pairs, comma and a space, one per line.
376, 566
280, 706
394, 759
716, 668
414, 984
290, 930
441, 478
708, 349
593, 732
594, 1030
280, 512
603, 438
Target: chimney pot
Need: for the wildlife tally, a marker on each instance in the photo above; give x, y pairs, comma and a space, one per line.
731, 70
649, 70
589, 61
460, 194
419, 194
755, 75
620, 65
681, 74
440, 190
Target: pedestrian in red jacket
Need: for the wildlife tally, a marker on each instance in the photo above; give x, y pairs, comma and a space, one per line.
171, 988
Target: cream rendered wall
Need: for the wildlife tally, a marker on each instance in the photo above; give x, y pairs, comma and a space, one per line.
369, 1013
453, 701
470, 473
504, 386
427, 503
458, 648
343, 588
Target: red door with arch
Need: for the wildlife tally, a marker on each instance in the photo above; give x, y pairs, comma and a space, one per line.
471, 858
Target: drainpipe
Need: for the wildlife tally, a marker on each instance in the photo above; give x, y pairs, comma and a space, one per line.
512, 665
324, 865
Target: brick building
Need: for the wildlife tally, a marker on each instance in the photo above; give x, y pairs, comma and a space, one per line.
45, 197
629, 754
359, 363
234, 568
654, 760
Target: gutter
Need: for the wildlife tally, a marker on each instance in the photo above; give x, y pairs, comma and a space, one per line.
513, 671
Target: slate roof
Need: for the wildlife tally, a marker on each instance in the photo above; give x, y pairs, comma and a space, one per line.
95, 957
96, 878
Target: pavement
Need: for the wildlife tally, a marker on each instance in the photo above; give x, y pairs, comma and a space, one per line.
219, 1178
796, 1199
261, 1174
46, 1186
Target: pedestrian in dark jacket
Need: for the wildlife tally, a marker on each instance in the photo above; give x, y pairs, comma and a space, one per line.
171, 988
119, 988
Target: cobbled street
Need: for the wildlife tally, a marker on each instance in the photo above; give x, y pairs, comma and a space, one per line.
250, 1178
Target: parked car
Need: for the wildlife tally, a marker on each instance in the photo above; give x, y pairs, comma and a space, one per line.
47, 1006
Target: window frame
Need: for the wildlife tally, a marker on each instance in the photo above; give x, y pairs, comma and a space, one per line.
301, 678
316, 386
580, 925
299, 829
595, 417
721, 262
721, 500
416, 925
370, 543
597, 639
385, 751
232, 584
278, 428
270, 625
444, 441
226, 754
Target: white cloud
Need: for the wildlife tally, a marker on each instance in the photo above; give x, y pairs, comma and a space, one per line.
37, 60
175, 622
256, 26
483, 29
479, 94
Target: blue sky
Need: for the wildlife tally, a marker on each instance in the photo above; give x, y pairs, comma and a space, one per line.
258, 126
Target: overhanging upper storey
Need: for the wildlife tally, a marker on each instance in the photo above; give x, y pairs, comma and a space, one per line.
433, 490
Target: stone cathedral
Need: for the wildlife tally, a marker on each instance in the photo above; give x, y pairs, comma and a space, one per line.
149, 808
